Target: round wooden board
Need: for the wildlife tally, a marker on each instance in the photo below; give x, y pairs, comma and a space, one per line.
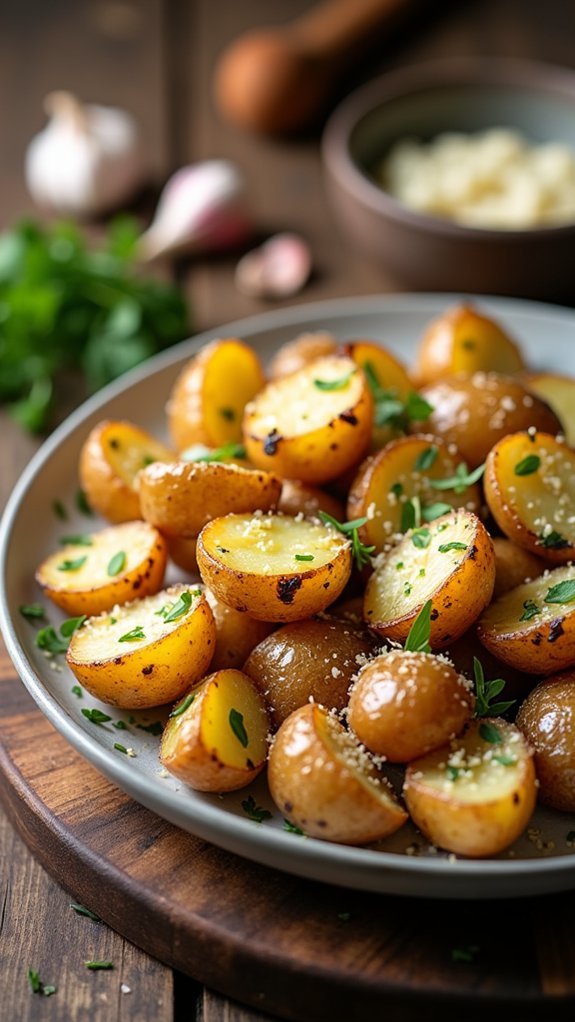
301, 950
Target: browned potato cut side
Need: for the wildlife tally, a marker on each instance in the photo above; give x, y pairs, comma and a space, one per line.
323, 781
475, 796
546, 719
216, 737
106, 568
145, 653
450, 562
236, 634
513, 566
296, 354
559, 393
463, 340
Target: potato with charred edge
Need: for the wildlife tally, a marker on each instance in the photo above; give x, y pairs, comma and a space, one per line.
406, 704
513, 566
462, 340
110, 460
475, 796
532, 627
530, 489
324, 782
474, 412
208, 399
146, 653
294, 355
307, 660
450, 562
559, 393
312, 425
216, 737
546, 719
236, 634
273, 567
92, 573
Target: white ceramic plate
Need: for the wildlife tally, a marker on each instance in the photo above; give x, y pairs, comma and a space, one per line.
30, 530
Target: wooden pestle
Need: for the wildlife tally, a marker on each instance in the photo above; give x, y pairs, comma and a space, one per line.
275, 80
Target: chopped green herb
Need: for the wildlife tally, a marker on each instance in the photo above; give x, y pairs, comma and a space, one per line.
99, 965
530, 610
389, 409
81, 910
528, 465
121, 748
399, 566
505, 760
421, 538
181, 607
418, 636
116, 563
221, 453
36, 985
490, 733
460, 481
59, 510
135, 635
32, 611
407, 589
77, 691
553, 541
120, 725
486, 691
360, 552
71, 625
79, 539
73, 565
292, 829
563, 592
236, 720
426, 459
95, 716
47, 639
444, 548
417, 408
255, 812
397, 489
304, 557
410, 515
148, 460
82, 503
182, 706
339, 384
452, 772
421, 572
433, 511
155, 728
228, 414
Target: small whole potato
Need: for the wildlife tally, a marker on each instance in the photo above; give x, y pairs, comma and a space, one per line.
296, 354
405, 704
463, 340
546, 719
236, 634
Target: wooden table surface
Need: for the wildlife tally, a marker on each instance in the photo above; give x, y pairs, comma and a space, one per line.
155, 58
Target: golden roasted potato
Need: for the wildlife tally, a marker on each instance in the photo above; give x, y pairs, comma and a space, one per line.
405, 704
273, 567
145, 653
559, 393
312, 425
181, 497
386, 376
450, 562
323, 781
532, 627
530, 489
301, 498
236, 634
404, 485
182, 551
475, 796
513, 566
208, 399
462, 340
91, 574
306, 660
294, 355
216, 737
110, 460
474, 412
462, 653
546, 719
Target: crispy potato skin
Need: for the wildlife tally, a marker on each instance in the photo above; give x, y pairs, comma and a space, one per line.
546, 719
306, 660
405, 704
236, 635
513, 566
461, 340
110, 491
181, 497
296, 354
317, 791
474, 412
302, 498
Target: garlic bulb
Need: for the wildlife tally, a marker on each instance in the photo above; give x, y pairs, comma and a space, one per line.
202, 208
277, 269
85, 161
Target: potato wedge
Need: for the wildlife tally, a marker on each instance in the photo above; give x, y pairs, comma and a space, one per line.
236, 634
474, 412
145, 653
532, 627
296, 354
273, 567
463, 340
110, 460
216, 737
307, 660
208, 399
475, 796
105, 568
559, 393
312, 425
530, 489
513, 566
404, 704
395, 488
450, 562
301, 498
322, 780
546, 719
181, 497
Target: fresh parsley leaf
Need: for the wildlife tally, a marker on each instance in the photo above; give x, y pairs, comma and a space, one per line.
71, 565
460, 481
410, 515
236, 721
292, 829
433, 511
181, 607
304, 557
121, 748
95, 716
99, 964
452, 772
135, 635
37, 986
505, 760
417, 409
530, 610
553, 541
528, 465
80, 539
426, 459
360, 552
71, 625
77, 691
490, 733
82, 503
254, 811
339, 384
32, 611
47, 639
221, 454
421, 538
81, 910
444, 548
182, 706
486, 692
116, 563
563, 592
389, 409
418, 636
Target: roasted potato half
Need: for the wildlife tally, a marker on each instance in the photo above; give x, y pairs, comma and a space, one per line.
208, 399
296, 354
462, 340
546, 719
323, 781
404, 485
530, 489
405, 704
513, 566
273, 567
559, 393
236, 634
145, 653
450, 562
474, 412
306, 660
475, 796
532, 627
92, 573
110, 460
312, 425
181, 497
385, 375
216, 737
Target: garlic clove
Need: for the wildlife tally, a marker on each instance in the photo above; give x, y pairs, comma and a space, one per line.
279, 268
202, 208
86, 160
